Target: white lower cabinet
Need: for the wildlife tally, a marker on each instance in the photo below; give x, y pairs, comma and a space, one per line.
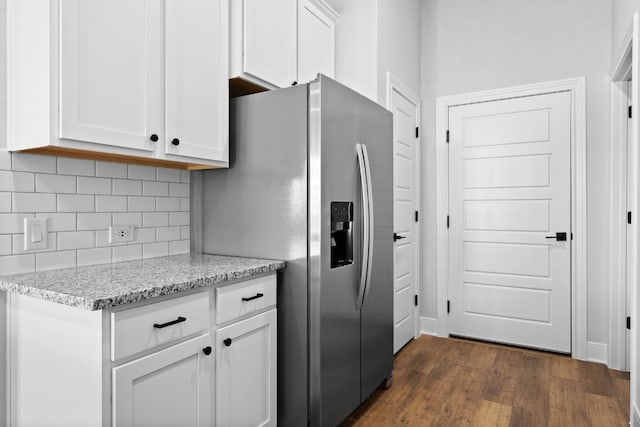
169, 388
246, 360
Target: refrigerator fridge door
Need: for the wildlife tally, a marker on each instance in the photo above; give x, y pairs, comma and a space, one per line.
376, 132
334, 319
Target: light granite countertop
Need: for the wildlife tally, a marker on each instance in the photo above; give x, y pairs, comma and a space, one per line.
103, 286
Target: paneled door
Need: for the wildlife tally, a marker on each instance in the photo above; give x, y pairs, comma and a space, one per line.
510, 221
405, 159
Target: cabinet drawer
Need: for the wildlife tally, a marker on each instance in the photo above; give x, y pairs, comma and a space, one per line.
237, 300
142, 328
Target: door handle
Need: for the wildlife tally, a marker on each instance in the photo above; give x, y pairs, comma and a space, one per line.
396, 236
560, 237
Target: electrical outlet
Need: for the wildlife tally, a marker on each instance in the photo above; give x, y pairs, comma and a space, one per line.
120, 233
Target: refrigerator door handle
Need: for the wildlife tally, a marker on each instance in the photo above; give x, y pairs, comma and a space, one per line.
365, 219
371, 225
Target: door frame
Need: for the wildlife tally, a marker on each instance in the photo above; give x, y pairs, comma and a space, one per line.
395, 84
576, 87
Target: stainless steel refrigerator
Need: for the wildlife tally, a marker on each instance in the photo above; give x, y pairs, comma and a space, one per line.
310, 182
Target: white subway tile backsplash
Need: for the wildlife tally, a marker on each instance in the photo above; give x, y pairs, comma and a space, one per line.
50, 183
127, 187
76, 240
16, 181
53, 260
171, 175
94, 256
145, 235
94, 221
111, 170
13, 223
178, 218
152, 250
17, 244
142, 204
67, 166
179, 247
166, 204
153, 188
142, 172
111, 203
33, 202
5, 244
33, 163
128, 218
75, 203
80, 199
164, 234
126, 253
59, 221
90, 185
5, 202
17, 264
155, 219
178, 190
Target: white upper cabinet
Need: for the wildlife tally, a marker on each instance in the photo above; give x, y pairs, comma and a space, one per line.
119, 79
280, 43
316, 40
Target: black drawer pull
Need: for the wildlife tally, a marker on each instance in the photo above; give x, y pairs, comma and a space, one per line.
173, 322
227, 341
258, 295
207, 350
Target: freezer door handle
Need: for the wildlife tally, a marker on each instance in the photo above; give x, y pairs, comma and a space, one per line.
370, 223
365, 229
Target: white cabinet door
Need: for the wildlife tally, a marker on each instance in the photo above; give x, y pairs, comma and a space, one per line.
246, 372
269, 40
196, 79
316, 40
169, 388
110, 72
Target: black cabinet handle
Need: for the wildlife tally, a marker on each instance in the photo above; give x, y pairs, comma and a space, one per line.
258, 295
294, 83
173, 322
175, 141
154, 137
227, 341
207, 350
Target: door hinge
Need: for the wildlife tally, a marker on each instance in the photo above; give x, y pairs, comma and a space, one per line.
447, 136
630, 111
628, 322
416, 216
417, 132
571, 235
448, 306
415, 300
629, 217
447, 221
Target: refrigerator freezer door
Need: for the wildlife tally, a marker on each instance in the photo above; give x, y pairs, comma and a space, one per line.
377, 311
334, 320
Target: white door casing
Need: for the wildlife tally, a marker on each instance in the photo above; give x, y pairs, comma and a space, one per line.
509, 191
629, 261
405, 106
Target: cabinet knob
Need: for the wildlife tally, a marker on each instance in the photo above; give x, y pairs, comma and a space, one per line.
294, 83
207, 350
175, 141
154, 138
227, 341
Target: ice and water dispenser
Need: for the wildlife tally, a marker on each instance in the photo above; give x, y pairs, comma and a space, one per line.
341, 234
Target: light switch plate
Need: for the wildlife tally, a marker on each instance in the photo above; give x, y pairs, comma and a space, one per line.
35, 233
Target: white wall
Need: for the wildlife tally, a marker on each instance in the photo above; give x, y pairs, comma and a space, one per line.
469, 45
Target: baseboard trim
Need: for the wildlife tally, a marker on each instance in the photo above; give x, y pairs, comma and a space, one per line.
428, 326
597, 352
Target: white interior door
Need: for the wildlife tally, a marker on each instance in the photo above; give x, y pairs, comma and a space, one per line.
509, 192
405, 155
630, 213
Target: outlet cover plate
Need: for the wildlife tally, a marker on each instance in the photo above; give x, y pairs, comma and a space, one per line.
36, 234
120, 233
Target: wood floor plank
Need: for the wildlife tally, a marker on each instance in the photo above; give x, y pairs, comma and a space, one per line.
455, 382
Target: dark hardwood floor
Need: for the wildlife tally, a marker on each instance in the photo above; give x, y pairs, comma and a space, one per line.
455, 382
